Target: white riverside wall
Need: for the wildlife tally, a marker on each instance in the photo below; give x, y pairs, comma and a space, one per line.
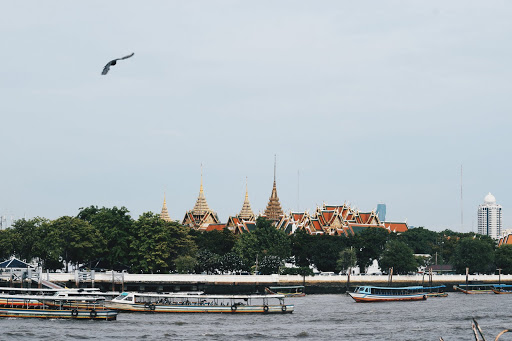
276, 279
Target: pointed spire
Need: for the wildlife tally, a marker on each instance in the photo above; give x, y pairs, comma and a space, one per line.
164, 215
201, 206
274, 210
246, 213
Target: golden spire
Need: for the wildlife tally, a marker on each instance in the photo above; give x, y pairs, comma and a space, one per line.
246, 213
164, 215
201, 206
274, 210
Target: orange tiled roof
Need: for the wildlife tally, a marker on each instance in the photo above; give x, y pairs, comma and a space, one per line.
218, 227
396, 227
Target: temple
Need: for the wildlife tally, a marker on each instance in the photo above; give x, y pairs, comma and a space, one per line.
164, 215
337, 220
273, 212
201, 216
246, 213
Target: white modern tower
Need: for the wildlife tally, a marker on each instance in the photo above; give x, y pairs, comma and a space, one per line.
489, 217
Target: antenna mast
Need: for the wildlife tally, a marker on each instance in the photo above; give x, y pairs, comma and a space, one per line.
461, 202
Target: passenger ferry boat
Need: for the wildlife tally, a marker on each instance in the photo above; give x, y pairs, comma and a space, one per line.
53, 307
199, 303
385, 294
475, 288
290, 291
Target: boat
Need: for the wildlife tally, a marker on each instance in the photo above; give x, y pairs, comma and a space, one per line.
199, 303
287, 291
53, 307
475, 288
502, 289
386, 294
435, 291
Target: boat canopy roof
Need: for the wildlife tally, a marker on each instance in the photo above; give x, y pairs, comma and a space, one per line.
50, 298
178, 295
392, 288
79, 290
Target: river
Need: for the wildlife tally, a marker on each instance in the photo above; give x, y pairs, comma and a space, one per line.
316, 317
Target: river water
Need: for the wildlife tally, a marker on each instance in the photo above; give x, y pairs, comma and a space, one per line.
316, 317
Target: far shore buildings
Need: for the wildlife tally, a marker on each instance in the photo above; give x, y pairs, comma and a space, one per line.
336, 220
489, 217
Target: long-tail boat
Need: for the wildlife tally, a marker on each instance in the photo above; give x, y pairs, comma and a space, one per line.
474, 288
502, 289
287, 291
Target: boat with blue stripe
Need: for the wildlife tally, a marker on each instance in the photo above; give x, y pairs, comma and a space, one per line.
387, 294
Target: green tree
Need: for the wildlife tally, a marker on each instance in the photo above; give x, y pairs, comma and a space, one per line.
266, 240
421, 240
369, 245
346, 259
219, 242
399, 256
115, 226
208, 261
474, 253
503, 258
269, 265
325, 250
231, 262
25, 236
185, 264
6, 243
302, 245
77, 240
157, 243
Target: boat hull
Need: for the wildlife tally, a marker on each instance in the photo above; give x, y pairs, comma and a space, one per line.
108, 315
235, 309
362, 298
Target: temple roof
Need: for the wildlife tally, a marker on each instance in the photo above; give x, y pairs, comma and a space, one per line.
201, 206
246, 212
164, 215
273, 210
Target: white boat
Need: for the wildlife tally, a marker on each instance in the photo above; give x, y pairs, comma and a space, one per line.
385, 294
38, 306
199, 303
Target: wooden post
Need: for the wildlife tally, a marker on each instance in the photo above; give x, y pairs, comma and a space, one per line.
467, 274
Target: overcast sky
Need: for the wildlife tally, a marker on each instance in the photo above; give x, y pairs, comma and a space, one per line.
363, 102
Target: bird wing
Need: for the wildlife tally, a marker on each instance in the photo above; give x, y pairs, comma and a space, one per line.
126, 57
106, 68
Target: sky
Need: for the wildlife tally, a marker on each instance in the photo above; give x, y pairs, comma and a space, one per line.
361, 102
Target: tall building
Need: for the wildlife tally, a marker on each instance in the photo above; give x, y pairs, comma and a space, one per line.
381, 212
489, 217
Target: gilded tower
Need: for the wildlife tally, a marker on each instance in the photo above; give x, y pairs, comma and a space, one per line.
201, 215
273, 211
246, 213
164, 215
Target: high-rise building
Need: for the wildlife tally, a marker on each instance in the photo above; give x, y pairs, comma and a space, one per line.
381, 212
489, 217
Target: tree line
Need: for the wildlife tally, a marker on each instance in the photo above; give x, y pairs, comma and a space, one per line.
111, 237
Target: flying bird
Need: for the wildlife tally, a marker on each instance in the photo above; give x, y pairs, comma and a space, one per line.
112, 63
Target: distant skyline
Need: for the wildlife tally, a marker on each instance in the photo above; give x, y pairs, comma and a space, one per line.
371, 102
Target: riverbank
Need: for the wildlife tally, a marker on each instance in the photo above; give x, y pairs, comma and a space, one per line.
222, 284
